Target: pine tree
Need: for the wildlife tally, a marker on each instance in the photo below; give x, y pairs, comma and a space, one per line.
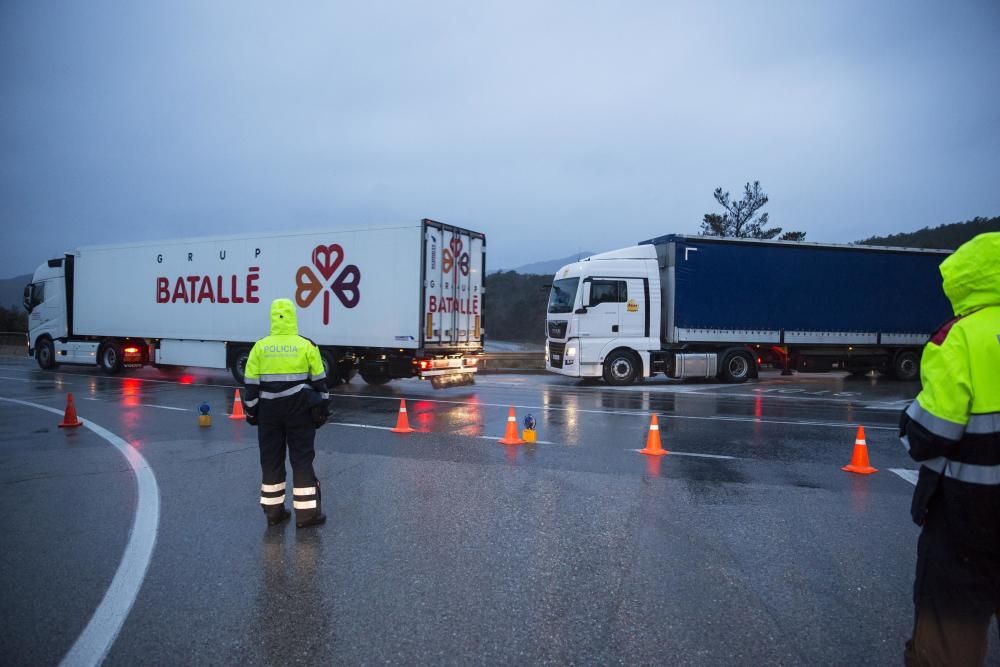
739, 220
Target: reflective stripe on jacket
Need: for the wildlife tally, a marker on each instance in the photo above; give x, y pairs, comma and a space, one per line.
953, 426
284, 365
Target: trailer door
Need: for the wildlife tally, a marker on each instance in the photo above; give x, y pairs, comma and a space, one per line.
453, 286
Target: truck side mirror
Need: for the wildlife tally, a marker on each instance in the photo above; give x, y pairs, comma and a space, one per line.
585, 296
27, 298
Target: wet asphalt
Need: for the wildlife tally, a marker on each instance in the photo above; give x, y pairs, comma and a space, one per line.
746, 545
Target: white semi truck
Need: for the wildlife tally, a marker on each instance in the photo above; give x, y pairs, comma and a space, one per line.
710, 307
386, 302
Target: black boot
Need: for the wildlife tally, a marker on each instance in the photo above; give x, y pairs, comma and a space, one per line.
308, 507
274, 518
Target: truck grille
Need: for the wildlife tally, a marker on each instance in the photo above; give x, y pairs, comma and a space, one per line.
557, 352
557, 330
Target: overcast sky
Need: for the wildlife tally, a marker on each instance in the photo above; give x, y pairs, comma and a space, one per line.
553, 127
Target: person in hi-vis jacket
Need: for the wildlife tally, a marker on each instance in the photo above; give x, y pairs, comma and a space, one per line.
285, 397
953, 430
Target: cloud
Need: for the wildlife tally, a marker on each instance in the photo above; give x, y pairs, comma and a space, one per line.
550, 126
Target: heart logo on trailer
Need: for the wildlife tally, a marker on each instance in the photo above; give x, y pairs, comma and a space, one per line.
346, 286
453, 258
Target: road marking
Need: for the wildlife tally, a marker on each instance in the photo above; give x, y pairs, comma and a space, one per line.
389, 428
497, 438
756, 420
695, 454
96, 639
7, 377
380, 428
907, 474
145, 405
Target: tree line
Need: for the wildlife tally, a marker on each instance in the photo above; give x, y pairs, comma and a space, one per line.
945, 237
13, 319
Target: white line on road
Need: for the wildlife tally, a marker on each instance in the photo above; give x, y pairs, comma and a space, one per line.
145, 405
389, 428
497, 438
380, 428
550, 408
102, 630
752, 420
907, 474
700, 456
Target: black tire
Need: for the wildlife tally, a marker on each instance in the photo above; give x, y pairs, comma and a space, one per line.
45, 354
239, 363
906, 366
109, 357
374, 378
622, 368
330, 366
737, 367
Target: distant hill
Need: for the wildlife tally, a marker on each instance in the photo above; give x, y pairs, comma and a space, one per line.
947, 237
12, 290
548, 267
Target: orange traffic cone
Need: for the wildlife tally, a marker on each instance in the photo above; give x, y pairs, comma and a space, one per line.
510, 436
859, 461
237, 407
69, 417
653, 446
402, 421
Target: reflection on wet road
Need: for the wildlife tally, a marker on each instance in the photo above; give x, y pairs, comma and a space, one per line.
747, 545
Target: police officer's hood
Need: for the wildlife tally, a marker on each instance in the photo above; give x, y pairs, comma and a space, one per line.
972, 274
283, 321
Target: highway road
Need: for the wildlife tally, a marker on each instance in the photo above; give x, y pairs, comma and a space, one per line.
138, 539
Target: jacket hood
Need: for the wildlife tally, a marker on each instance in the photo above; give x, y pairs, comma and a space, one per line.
283, 321
972, 274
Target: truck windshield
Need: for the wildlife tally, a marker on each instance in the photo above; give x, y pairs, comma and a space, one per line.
563, 295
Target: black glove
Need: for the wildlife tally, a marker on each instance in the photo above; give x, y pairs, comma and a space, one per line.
251, 419
319, 414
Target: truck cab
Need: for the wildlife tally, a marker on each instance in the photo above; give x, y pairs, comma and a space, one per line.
603, 316
45, 301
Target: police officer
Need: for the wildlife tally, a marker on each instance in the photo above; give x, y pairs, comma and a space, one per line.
953, 430
286, 397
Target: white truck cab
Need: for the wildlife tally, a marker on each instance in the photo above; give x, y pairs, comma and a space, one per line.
603, 316
45, 301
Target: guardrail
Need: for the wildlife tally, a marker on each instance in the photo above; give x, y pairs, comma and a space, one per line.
13, 344
512, 362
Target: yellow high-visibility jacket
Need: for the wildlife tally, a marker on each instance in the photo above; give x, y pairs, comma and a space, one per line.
285, 371
953, 426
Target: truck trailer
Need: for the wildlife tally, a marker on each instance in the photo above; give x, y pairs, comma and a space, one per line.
713, 307
386, 302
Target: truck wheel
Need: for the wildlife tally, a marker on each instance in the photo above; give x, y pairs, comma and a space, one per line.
330, 366
374, 378
109, 357
906, 366
737, 367
45, 354
239, 364
621, 368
